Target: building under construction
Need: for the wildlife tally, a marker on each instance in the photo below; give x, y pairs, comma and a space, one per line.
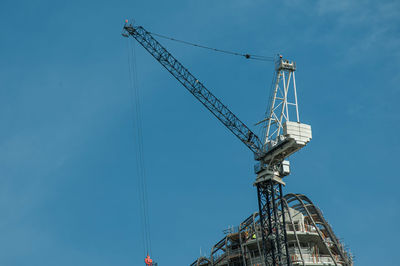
286, 230
310, 239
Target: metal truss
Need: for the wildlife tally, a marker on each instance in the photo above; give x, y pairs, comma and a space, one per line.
238, 236
283, 100
301, 203
195, 87
269, 184
272, 223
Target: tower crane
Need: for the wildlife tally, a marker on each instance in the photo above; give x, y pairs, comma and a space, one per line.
282, 138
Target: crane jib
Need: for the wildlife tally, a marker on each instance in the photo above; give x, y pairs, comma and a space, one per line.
195, 87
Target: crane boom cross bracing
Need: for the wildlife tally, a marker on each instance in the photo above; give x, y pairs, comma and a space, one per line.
194, 86
271, 154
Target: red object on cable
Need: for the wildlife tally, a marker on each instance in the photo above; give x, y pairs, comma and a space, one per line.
148, 261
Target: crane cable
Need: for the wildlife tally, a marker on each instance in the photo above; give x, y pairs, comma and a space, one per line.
262, 129
247, 56
138, 142
137, 126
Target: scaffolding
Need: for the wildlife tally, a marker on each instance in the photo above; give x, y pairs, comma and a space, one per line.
311, 240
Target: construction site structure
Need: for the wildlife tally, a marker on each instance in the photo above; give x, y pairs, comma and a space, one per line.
282, 137
310, 239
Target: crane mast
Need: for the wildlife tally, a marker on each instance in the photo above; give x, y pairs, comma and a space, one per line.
282, 138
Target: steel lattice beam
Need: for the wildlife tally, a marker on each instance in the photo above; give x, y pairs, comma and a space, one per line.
195, 87
272, 222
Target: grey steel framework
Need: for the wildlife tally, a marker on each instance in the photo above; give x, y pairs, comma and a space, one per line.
270, 205
310, 238
336, 250
195, 87
282, 138
288, 138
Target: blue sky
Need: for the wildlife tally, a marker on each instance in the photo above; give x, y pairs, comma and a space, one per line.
68, 191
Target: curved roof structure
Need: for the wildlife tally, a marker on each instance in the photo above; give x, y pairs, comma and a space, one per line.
310, 238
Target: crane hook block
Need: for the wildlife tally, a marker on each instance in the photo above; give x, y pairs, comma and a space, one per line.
148, 261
